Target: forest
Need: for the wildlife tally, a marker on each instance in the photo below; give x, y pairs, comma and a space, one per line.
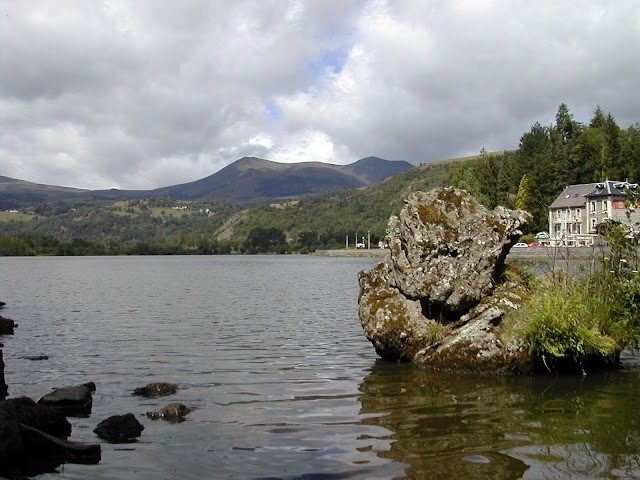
548, 158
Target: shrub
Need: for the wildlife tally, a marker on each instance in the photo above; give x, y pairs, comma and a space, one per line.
569, 323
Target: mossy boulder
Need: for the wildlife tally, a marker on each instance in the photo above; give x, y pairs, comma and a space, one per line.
438, 298
448, 249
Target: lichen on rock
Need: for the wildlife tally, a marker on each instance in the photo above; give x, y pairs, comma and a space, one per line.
437, 299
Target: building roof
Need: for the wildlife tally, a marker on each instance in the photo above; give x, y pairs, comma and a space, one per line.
610, 187
573, 196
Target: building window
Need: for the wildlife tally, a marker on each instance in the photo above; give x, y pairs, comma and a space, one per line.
593, 207
593, 225
605, 205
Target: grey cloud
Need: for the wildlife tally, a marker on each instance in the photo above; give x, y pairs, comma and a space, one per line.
144, 94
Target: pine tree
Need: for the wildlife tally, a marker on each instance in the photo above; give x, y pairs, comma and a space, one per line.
612, 150
522, 199
599, 119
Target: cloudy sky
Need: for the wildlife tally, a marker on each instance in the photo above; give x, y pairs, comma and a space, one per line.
147, 93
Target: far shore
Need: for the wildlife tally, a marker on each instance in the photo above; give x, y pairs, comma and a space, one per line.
530, 253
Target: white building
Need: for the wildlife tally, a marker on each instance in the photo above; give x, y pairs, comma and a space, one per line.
575, 215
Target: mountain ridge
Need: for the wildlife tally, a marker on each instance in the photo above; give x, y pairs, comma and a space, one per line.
247, 180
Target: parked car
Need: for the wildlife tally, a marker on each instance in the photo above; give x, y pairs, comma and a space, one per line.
521, 245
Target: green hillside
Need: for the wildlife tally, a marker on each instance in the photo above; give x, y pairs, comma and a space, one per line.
324, 221
165, 225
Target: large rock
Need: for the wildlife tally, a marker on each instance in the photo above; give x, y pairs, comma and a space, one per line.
33, 440
49, 449
10, 440
48, 419
437, 299
74, 401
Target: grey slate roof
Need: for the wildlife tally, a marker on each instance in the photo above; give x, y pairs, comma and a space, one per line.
573, 196
610, 187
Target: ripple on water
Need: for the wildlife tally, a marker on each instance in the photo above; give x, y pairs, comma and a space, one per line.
270, 353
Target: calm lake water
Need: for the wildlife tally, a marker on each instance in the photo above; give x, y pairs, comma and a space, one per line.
270, 353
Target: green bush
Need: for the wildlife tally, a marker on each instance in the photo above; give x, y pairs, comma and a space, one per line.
570, 322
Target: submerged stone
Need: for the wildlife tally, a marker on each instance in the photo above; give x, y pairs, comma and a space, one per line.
173, 412
158, 389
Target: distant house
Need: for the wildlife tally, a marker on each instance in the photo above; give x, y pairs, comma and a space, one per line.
575, 215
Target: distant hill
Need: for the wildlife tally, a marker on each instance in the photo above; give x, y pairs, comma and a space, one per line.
15, 192
252, 180
335, 215
247, 180
323, 221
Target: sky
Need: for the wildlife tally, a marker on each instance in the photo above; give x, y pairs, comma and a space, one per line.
139, 94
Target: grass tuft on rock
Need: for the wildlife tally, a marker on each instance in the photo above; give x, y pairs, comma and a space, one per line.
569, 323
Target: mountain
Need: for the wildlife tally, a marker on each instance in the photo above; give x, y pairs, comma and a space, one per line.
251, 180
13, 192
247, 180
374, 169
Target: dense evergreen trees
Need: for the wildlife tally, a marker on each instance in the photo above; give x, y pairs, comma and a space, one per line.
551, 157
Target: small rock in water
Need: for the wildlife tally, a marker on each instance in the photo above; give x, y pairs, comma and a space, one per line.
159, 389
6, 326
90, 385
476, 459
35, 358
119, 428
71, 400
173, 412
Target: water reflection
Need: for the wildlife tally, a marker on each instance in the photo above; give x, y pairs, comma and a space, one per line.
448, 425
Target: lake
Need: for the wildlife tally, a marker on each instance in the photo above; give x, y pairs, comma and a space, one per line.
269, 352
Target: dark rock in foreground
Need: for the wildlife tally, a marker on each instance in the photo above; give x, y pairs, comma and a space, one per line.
438, 298
48, 419
4, 390
153, 390
59, 450
7, 326
33, 440
73, 401
90, 385
119, 428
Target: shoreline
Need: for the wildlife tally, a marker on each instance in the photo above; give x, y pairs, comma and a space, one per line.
530, 253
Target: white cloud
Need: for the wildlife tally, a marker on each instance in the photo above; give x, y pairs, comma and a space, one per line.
140, 94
